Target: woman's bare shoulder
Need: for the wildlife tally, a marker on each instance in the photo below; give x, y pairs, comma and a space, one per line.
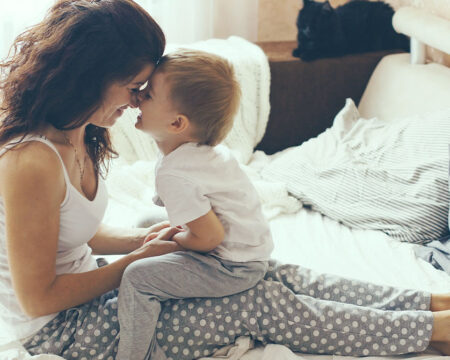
32, 164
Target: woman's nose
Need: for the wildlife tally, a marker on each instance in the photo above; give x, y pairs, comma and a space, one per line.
141, 95
134, 101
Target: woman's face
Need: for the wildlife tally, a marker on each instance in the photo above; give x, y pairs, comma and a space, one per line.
118, 97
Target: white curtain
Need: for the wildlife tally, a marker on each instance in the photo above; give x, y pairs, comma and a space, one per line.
185, 21
16, 16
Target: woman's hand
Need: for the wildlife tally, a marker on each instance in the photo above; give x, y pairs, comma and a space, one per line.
157, 243
110, 240
154, 230
166, 235
145, 233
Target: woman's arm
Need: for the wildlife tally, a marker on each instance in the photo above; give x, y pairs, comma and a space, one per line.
32, 192
204, 234
110, 240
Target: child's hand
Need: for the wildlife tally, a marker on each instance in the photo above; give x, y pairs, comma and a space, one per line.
158, 245
166, 234
150, 237
155, 228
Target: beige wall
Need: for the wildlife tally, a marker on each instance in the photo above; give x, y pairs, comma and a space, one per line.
276, 20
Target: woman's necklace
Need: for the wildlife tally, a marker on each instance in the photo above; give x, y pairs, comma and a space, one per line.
77, 159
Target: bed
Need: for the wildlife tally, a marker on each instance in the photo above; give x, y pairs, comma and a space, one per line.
401, 85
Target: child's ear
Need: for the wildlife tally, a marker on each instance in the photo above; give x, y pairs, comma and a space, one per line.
180, 124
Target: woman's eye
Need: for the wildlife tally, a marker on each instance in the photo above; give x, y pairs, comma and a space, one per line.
134, 91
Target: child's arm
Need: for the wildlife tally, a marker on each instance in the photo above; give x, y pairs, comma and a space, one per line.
204, 234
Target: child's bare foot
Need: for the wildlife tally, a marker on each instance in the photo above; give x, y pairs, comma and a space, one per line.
440, 302
442, 347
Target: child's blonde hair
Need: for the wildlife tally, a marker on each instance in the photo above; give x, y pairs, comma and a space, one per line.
203, 87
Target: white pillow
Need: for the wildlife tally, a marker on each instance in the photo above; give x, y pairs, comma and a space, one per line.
372, 174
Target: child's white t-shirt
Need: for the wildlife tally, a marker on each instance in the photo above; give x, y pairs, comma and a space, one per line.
193, 179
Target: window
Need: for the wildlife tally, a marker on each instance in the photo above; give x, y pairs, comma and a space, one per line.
16, 16
183, 21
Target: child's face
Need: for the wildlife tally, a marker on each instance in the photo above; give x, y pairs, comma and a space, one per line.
157, 109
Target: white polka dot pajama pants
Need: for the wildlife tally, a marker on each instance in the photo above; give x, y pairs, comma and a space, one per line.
294, 306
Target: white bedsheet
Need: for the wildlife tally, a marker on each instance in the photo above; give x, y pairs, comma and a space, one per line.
317, 242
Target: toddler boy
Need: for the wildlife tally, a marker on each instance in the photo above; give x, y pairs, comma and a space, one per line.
188, 108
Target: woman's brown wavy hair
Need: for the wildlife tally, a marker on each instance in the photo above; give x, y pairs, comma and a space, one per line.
58, 70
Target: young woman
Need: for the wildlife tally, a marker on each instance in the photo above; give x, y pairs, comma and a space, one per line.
69, 79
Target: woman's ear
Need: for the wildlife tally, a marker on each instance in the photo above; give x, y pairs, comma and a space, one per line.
180, 124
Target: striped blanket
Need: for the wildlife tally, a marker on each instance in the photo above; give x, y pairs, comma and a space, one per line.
372, 174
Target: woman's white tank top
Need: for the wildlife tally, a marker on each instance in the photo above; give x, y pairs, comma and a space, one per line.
80, 219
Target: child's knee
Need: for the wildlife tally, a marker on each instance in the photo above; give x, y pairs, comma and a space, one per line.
138, 270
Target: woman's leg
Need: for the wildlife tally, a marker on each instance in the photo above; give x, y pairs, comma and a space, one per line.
303, 281
89, 331
440, 302
443, 347
440, 339
272, 313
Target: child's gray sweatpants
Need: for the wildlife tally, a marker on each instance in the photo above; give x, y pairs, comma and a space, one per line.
147, 282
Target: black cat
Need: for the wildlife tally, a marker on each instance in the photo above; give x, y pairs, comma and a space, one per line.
356, 27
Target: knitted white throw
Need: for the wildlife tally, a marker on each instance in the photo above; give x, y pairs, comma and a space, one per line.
131, 178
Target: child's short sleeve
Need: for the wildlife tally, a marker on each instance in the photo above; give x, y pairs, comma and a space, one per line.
184, 200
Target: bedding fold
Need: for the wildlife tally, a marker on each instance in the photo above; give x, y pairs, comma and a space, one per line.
373, 174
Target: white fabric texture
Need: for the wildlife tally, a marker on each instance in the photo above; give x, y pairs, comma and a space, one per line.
375, 175
131, 188
192, 180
